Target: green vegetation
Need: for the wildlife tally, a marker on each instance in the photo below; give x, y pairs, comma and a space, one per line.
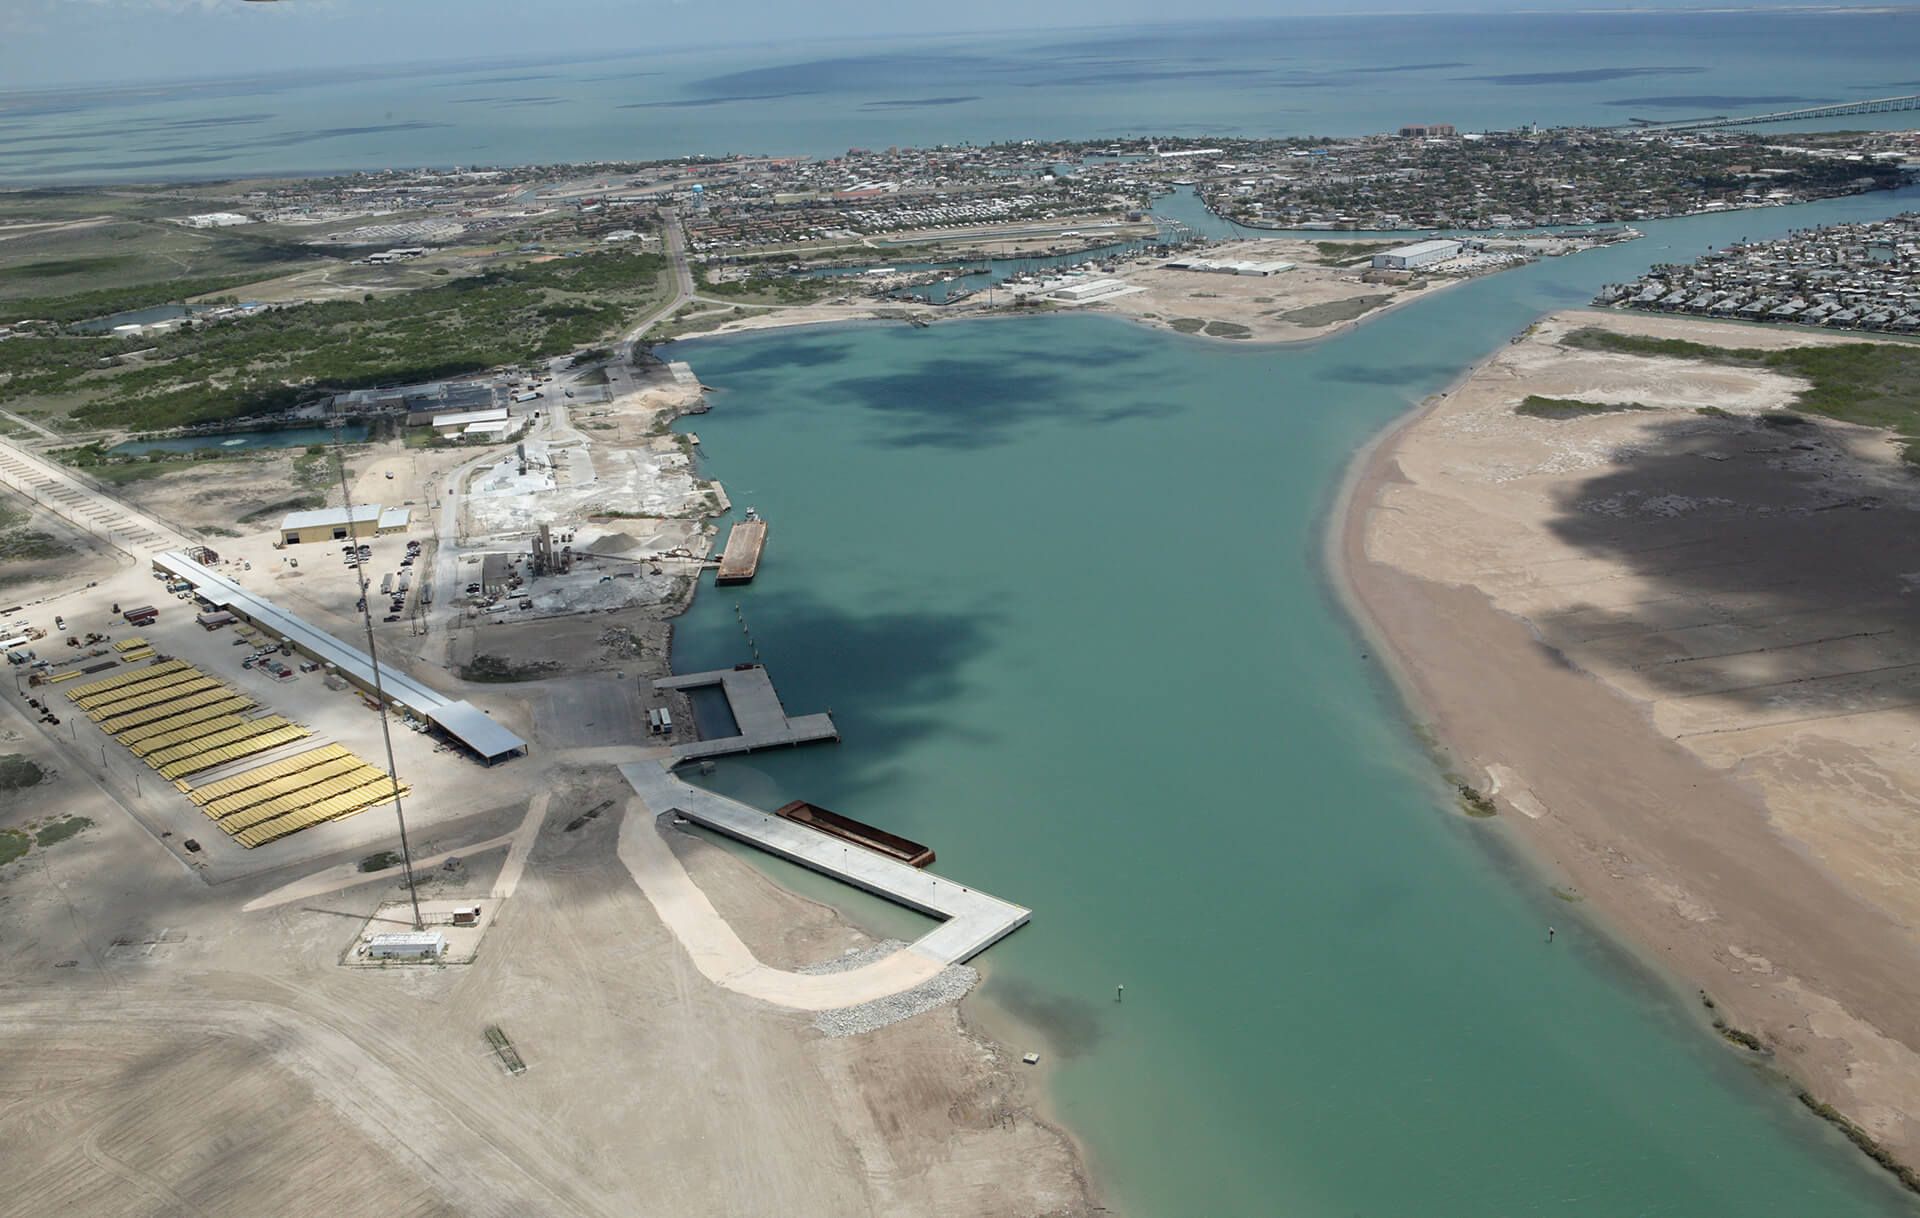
13, 844
1340, 253
1187, 325
279, 358
1735, 1036
1535, 406
1334, 311
118, 469
85, 306
380, 861
17, 773
765, 289
21, 544
60, 830
1872, 383
1864, 1140
315, 469
280, 507
1715, 412
1227, 329
497, 670
1474, 803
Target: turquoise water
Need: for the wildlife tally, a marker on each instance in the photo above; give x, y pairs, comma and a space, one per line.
245, 441
132, 317
1059, 580
1305, 75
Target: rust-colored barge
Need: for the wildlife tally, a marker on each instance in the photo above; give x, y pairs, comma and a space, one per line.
913, 854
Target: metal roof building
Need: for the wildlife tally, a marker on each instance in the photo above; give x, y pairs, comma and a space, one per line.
338, 524
462, 720
464, 418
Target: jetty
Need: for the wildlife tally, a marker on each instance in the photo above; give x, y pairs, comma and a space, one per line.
971, 921
847, 829
742, 557
757, 712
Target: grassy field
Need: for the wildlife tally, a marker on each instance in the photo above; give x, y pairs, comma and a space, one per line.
279, 358
88, 269
769, 289
1876, 384
1539, 407
21, 544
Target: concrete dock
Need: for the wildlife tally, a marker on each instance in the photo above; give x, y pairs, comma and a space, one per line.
756, 709
742, 556
971, 922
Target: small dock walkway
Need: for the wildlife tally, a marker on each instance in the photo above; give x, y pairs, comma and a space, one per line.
971, 922
756, 709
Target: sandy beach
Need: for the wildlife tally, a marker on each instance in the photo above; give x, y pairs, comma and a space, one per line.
1672, 647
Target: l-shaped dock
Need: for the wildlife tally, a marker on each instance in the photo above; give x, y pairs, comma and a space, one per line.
762, 720
971, 922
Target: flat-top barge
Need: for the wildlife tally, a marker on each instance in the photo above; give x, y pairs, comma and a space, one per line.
742, 557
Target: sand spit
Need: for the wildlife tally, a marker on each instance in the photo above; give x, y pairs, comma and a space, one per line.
1679, 650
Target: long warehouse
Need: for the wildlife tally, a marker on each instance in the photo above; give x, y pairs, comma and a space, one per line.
462, 720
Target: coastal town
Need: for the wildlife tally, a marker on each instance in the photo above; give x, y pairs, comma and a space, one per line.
1848, 277
443, 602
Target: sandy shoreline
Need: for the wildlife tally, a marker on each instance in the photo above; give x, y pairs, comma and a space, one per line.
1701, 855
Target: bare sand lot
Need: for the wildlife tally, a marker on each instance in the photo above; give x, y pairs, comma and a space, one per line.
171, 1053
1309, 301
1668, 628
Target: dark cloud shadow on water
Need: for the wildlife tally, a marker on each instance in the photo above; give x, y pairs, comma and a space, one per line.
1391, 375
962, 403
889, 674
1071, 1025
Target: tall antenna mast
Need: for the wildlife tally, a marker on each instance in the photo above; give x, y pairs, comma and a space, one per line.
386, 729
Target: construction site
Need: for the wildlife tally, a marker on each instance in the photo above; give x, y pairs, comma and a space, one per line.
414, 752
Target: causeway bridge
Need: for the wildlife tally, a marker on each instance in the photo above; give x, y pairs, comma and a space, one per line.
1875, 105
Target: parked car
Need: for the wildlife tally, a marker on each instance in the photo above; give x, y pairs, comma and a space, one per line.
391, 617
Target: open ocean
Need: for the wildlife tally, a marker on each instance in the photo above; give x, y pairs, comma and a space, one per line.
1309, 75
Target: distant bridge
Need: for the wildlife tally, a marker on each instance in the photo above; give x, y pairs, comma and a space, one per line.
1877, 105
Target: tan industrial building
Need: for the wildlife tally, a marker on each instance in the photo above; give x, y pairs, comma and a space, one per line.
339, 524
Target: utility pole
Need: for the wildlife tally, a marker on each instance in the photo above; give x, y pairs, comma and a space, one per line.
379, 694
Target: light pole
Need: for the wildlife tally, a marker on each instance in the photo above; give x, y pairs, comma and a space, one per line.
379, 693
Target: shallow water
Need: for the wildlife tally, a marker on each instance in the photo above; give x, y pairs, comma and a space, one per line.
245, 441
1059, 580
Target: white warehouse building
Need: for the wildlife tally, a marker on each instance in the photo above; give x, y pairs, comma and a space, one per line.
1419, 254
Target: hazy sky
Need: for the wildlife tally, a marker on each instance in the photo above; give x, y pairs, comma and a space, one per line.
52, 42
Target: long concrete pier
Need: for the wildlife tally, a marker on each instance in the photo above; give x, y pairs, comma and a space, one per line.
756, 709
971, 922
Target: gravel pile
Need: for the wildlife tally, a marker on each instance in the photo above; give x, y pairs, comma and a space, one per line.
950, 986
858, 957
